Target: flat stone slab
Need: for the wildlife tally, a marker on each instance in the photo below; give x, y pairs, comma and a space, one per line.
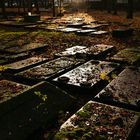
15, 23
75, 25
99, 121
95, 51
122, 32
5, 58
50, 69
85, 31
10, 89
128, 56
33, 110
124, 90
71, 51
91, 26
99, 50
25, 48
99, 33
26, 63
87, 75
69, 30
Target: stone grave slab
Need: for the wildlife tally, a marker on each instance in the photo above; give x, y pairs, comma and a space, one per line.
33, 110
25, 48
97, 51
99, 33
71, 51
15, 23
32, 27
85, 31
50, 69
87, 75
122, 32
128, 56
124, 90
5, 58
99, 121
26, 63
10, 89
69, 30
75, 25
91, 26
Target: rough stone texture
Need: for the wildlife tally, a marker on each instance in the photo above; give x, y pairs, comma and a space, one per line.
83, 51
33, 110
25, 48
99, 33
25, 63
125, 89
10, 89
88, 74
69, 30
99, 121
72, 51
51, 68
128, 55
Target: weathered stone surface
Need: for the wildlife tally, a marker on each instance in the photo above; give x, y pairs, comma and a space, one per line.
5, 58
99, 121
25, 48
93, 51
33, 110
128, 55
91, 26
69, 30
88, 74
72, 51
51, 68
125, 89
85, 31
99, 33
16, 66
10, 89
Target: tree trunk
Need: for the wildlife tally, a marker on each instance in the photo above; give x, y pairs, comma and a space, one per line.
37, 6
130, 9
53, 4
109, 5
3, 8
114, 7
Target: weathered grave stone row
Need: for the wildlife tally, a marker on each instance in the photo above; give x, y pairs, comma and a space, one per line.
99, 121
33, 110
50, 69
124, 91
